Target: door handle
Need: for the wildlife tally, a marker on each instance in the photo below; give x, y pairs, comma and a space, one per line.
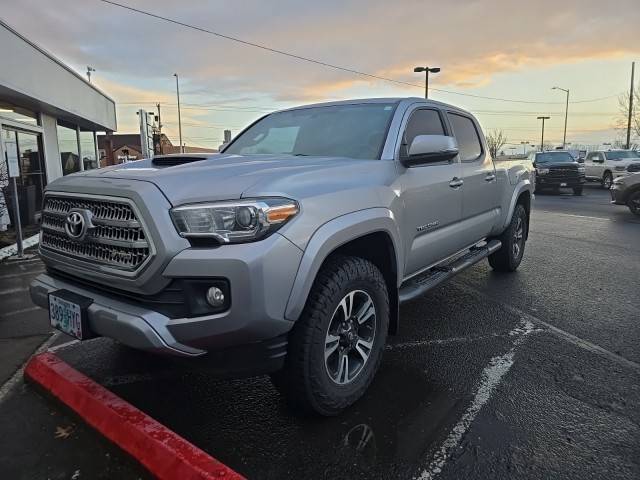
456, 182
490, 177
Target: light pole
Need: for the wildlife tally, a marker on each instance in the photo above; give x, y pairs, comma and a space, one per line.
426, 71
566, 113
89, 70
542, 140
179, 119
524, 147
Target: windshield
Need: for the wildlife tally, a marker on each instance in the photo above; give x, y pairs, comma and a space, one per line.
554, 157
621, 154
353, 131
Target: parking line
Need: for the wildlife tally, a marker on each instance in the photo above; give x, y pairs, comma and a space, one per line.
492, 374
569, 337
164, 453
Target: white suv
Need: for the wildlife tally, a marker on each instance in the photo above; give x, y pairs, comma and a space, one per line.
605, 165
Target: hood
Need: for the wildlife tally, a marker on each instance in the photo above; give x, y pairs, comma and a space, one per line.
229, 177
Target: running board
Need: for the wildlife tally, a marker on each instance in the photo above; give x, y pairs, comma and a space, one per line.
434, 276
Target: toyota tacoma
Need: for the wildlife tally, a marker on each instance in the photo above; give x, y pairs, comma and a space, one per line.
292, 249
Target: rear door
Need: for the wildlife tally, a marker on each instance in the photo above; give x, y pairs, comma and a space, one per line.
480, 200
432, 197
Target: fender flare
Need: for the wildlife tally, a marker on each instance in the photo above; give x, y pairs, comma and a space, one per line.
332, 235
522, 186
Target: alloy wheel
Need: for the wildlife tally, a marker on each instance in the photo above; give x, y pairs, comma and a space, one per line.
350, 337
518, 238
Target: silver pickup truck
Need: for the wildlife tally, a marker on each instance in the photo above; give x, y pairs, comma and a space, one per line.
289, 252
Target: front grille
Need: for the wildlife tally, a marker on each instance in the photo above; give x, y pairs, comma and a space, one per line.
634, 167
117, 239
563, 172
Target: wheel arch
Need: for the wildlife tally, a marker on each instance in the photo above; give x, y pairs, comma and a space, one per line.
372, 234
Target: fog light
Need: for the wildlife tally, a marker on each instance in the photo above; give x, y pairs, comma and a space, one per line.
215, 297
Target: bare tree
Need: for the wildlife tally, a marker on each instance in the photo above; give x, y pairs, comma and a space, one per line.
496, 139
623, 114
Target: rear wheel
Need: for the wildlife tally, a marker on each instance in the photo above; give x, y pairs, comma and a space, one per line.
336, 345
607, 180
634, 203
577, 190
513, 239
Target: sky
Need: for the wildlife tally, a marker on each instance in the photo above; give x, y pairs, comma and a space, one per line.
505, 49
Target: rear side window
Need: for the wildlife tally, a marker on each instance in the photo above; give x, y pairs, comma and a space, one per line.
467, 136
423, 122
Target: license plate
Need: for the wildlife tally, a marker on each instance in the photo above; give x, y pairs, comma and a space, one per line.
563, 184
68, 313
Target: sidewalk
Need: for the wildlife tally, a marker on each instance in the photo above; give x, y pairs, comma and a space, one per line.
23, 326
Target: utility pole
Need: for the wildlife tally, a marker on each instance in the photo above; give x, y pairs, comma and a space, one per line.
179, 119
542, 140
633, 67
159, 127
566, 113
426, 71
89, 70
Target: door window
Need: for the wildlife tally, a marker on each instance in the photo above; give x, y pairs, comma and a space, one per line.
467, 136
68, 146
423, 122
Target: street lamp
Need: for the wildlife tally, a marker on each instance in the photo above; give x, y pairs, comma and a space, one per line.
426, 71
179, 119
566, 112
542, 140
89, 70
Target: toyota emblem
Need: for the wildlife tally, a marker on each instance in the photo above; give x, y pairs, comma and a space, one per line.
75, 225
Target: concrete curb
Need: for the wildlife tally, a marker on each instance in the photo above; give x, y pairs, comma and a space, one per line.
164, 453
13, 249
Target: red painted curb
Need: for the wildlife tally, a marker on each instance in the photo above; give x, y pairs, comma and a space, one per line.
164, 453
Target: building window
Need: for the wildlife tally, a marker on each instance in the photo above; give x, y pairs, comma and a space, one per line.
88, 150
68, 146
18, 114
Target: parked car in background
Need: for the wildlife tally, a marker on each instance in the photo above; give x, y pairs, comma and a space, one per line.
292, 249
605, 165
557, 169
626, 191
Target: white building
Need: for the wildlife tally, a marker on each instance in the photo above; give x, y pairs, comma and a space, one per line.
49, 116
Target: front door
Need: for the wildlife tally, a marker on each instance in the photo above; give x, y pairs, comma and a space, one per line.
26, 146
480, 202
432, 199
594, 165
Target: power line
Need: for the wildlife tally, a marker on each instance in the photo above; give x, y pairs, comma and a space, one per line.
330, 65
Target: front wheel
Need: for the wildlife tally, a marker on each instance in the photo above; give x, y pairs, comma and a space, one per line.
509, 256
336, 345
607, 180
634, 203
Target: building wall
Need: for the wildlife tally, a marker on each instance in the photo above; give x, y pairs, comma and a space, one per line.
29, 71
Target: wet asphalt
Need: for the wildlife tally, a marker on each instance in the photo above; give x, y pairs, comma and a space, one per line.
534, 374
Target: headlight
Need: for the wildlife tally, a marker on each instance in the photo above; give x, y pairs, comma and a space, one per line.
542, 171
620, 168
618, 181
234, 221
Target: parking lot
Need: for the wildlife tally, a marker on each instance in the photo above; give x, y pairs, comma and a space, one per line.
534, 374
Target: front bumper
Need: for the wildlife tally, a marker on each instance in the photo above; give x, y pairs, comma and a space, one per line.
556, 182
617, 194
260, 276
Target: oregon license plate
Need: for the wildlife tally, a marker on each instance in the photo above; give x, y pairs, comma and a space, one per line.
68, 313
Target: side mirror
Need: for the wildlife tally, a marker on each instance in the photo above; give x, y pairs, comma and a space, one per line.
580, 159
430, 149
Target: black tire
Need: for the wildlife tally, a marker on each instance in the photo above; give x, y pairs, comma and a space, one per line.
607, 180
305, 381
506, 259
577, 190
634, 203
